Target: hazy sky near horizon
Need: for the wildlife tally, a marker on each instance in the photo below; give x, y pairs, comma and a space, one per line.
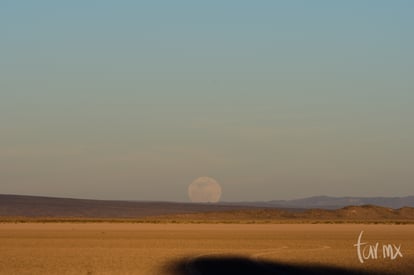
273, 99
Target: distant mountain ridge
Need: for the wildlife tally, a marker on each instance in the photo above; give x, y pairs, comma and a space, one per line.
24, 208
319, 206
327, 202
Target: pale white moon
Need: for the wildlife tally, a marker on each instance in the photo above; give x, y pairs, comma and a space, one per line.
204, 189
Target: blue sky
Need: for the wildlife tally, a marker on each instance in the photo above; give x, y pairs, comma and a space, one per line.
274, 99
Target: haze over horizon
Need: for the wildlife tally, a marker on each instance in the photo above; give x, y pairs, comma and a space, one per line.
274, 100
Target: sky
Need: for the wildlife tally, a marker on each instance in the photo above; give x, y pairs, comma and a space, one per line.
274, 99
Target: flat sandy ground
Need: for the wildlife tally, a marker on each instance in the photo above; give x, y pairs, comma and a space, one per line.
126, 248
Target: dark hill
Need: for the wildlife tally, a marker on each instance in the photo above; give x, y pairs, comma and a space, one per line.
32, 206
45, 207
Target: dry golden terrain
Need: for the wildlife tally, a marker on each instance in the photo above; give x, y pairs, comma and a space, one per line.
186, 249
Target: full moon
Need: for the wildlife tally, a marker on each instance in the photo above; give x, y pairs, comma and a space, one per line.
204, 189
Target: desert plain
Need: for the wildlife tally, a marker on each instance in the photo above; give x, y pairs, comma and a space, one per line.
187, 249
